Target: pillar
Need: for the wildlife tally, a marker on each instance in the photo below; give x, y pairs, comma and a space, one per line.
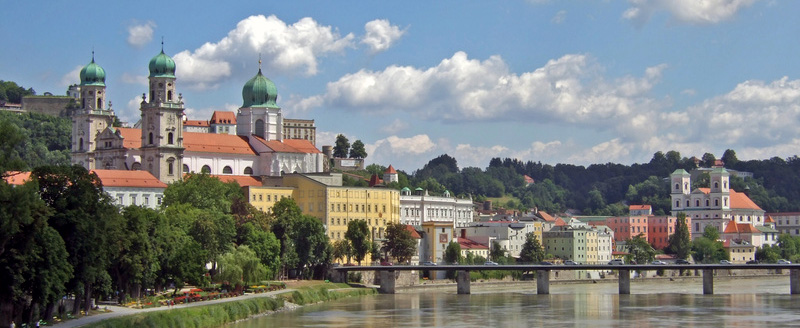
339, 276
387, 282
542, 282
794, 281
708, 281
624, 281
462, 279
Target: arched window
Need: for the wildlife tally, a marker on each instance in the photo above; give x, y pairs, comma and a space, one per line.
697, 203
136, 166
227, 170
169, 138
716, 202
716, 185
99, 103
152, 96
707, 203
80, 144
259, 128
171, 166
150, 138
185, 168
83, 103
169, 95
677, 186
248, 170
206, 169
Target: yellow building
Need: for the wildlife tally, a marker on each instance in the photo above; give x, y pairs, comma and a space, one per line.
264, 198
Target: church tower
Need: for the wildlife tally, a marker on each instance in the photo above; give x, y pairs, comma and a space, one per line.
680, 188
92, 117
720, 188
259, 114
162, 122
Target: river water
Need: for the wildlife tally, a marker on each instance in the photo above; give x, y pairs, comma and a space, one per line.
747, 302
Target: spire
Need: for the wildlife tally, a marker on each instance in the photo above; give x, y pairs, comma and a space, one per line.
93, 54
162, 44
259, 63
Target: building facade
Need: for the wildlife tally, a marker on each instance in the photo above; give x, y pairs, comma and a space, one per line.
421, 207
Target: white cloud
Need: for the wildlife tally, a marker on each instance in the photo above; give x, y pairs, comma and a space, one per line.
140, 34
567, 90
604, 152
134, 79
286, 49
686, 11
72, 77
396, 126
381, 35
559, 18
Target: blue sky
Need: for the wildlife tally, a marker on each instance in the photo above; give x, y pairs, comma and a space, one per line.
576, 82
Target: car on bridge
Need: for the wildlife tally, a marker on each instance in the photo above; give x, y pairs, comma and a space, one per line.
616, 262
725, 262
782, 261
428, 263
571, 262
658, 262
682, 261
490, 263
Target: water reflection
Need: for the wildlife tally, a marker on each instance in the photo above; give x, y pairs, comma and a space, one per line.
747, 302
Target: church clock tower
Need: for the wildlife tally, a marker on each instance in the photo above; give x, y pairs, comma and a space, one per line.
162, 122
259, 114
92, 117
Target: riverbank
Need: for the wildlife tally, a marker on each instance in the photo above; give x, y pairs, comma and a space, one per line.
219, 312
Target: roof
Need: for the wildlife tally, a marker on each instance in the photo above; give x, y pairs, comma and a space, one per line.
131, 138
769, 219
740, 228
242, 180
17, 178
125, 178
738, 199
764, 228
216, 143
390, 170
289, 145
639, 207
223, 117
467, 243
547, 217
560, 222
413, 231
199, 123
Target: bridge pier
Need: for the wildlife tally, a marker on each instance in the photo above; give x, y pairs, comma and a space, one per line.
462, 279
794, 281
542, 282
624, 281
708, 281
387, 282
339, 276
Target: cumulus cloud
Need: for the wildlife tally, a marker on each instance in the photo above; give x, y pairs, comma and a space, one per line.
286, 49
567, 90
134, 79
686, 11
72, 77
396, 126
140, 34
381, 35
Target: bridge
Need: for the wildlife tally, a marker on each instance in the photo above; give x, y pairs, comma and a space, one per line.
387, 273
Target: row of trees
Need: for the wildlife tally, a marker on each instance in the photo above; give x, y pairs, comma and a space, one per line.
343, 149
13, 93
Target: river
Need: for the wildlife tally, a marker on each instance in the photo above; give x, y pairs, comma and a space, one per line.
750, 302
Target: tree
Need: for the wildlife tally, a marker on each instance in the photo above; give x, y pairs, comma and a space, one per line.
496, 252
768, 254
452, 254
680, 242
640, 250
240, 267
342, 147
358, 235
88, 222
707, 249
311, 245
729, 158
708, 160
10, 139
264, 244
532, 251
358, 151
135, 262
204, 192
711, 232
215, 232
341, 250
399, 243
284, 214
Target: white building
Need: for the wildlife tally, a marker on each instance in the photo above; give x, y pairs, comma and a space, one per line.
510, 235
420, 207
138, 188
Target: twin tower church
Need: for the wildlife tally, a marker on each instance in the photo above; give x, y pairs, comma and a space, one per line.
160, 145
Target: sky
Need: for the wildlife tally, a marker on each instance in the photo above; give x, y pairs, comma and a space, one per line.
578, 82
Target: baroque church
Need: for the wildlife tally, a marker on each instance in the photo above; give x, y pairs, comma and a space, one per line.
161, 146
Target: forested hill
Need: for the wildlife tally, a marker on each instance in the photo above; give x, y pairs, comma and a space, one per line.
606, 189
31, 140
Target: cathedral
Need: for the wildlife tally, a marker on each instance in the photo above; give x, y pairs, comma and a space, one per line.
161, 146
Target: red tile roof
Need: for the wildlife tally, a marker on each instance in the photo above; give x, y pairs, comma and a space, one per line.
223, 117
560, 222
199, 123
467, 243
546, 217
289, 145
738, 200
769, 220
390, 170
124, 178
132, 138
639, 207
413, 232
242, 180
216, 143
740, 228
17, 178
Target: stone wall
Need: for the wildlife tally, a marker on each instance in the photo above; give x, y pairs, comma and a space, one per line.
50, 105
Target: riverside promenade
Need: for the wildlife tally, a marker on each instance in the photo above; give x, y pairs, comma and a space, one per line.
119, 311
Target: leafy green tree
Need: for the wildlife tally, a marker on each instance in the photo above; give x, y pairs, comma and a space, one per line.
13, 93
342, 147
640, 250
240, 267
680, 242
375, 169
284, 215
312, 246
204, 192
708, 160
182, 259
706, 250
264, 244
215, 232
496, 252
10, 139
768, 254
88, 222
341, 250
789, 246
532, 251
452, 253
358, 235
729, 158
399, 243
135, 263
711, 232
357, 150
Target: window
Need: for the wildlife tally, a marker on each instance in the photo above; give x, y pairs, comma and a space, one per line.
248, 170
259, 128
206, 169
227, 170
185, 168
170, 138
80, 144
150, 138
133, 199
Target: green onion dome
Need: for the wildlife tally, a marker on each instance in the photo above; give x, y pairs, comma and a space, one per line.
259, 92
93, 74
162, 66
